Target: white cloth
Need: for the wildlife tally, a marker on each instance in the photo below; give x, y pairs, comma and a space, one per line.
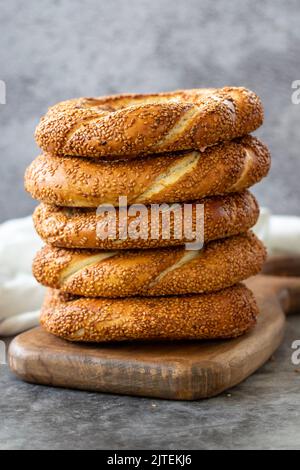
21, 296
280, 233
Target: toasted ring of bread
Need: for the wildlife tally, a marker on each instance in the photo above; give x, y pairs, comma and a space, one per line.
224, 314
78, 182
158, 272
130, 125
224, 216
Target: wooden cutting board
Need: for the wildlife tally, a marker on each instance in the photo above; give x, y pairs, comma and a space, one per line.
176, 370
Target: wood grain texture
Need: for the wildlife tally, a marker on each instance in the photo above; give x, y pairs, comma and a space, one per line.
178, 370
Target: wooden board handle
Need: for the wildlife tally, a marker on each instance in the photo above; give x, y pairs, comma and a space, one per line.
284, 271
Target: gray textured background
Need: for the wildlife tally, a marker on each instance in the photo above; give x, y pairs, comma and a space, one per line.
54, 50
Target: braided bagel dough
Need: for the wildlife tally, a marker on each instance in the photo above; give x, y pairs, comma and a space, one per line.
76, 182
130, 125
224, 216
224, 314
169, 271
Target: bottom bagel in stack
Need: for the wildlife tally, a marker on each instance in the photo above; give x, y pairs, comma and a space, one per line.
227, 313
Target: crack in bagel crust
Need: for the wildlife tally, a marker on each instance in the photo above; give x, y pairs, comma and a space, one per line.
182, 168
81, 125
77, 268
185, 259
248, 164
181, 128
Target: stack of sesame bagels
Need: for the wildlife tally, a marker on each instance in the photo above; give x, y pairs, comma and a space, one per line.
178, 150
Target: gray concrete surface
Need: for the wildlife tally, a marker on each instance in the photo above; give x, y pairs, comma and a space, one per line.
261, 413
57, 49
54, 50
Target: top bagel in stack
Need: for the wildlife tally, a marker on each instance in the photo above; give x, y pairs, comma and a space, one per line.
126, 126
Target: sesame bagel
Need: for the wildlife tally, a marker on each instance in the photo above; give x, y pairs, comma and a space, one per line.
224, 314
131, 125
224, 216
220, 169
158, 272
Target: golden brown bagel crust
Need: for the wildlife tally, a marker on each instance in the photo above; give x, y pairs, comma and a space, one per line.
224, 314
168, 271
77, 182
224, 216
130, 125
